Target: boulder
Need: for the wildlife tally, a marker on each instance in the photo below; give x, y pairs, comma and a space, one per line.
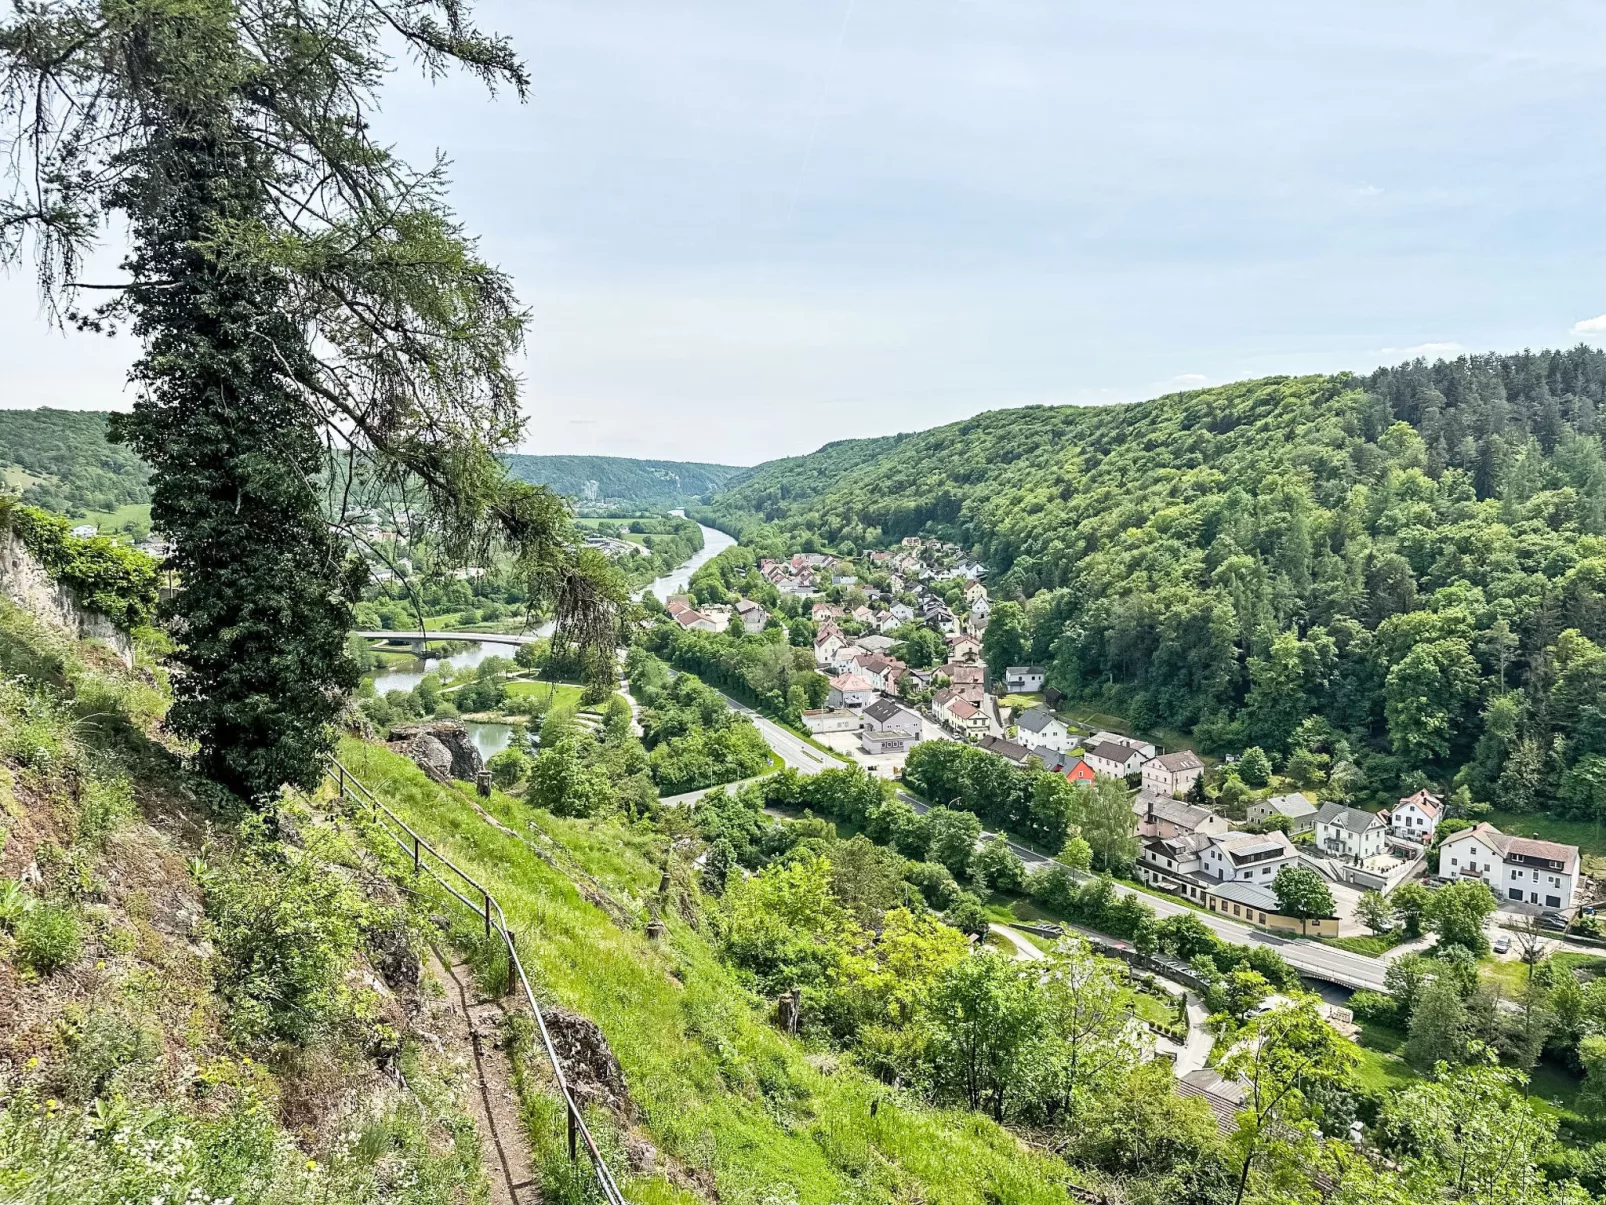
442, 749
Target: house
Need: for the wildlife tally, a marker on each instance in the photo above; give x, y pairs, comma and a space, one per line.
886, 622
1349, 833
1079, 771
821, 611
967, 680
694, 621
85, 531
754, 617
862, 614
964, 648
1173, 773
885, 715
959, 713
826, 646
1043, 728
1179, 864
1247, 857
876, 644
889, 728
825, 719
850, 691
1110, 760
1159, 815
1131, 742
1023, 679
975, 592
1299, 810
1517, 869
875, 669
902, 612
1416, 817
1008, 750
980, 610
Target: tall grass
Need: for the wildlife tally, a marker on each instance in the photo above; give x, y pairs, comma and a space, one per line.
718, 1090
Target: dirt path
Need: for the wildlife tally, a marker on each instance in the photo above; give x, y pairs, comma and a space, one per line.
476, 1024
1024, 950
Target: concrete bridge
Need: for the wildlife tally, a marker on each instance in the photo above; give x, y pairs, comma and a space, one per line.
420, 640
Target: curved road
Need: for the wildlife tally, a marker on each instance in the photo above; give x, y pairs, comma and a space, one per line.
1318, 961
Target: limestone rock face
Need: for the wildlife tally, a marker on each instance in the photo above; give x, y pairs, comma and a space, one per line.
442, 749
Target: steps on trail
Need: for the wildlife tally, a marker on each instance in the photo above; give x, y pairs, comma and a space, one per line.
476, 1026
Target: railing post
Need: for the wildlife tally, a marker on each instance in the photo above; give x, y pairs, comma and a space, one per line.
415, 853
487, 896
572, 1129
341, 771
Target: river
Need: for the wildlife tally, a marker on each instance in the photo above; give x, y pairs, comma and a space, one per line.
407, 675
675, 582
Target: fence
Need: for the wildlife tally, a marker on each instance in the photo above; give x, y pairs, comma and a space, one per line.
426, 860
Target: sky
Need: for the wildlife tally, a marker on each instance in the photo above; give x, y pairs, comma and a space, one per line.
745, 228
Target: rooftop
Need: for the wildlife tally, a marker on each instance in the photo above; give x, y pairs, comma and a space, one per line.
1336, 815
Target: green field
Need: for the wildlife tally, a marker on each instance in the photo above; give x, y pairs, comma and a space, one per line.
560, 693
111, 522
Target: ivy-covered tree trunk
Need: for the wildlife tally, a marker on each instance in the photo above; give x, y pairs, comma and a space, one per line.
265, 590
309, 312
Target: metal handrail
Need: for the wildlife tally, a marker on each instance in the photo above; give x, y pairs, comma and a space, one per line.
350, 787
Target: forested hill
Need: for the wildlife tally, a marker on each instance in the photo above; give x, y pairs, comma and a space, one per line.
650, 483
60, 460
1399, 556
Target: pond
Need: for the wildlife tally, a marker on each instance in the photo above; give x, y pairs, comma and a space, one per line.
404, 675
489, 739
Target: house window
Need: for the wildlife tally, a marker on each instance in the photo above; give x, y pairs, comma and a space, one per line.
1453, 862
1262, 918
1516, 894
1235, 910
1553, 901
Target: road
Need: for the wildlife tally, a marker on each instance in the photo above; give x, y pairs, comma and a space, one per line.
790, 748
1310, 958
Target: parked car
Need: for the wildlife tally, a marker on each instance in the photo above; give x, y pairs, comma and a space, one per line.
1502, 943
1553, 920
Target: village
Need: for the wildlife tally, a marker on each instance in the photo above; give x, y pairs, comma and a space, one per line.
880, 707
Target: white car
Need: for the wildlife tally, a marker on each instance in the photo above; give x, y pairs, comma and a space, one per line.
1502, 943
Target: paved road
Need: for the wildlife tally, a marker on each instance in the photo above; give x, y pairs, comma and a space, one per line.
1307, 957
694, 796
791, 749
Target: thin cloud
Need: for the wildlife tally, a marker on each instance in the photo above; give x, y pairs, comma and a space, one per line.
1426, 351
1591, 328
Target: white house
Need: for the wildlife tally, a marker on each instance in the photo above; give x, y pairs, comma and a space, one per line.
1024, 679
826, 647
889, 728
1043, 728
1517, 869
980, 610
1349, 833
695, 621
754, 617
1298, 809
1110, 760
1173, 773
1416, 817
902, 612
851, 691
1247, 857
958, 713
85, 531
824, 719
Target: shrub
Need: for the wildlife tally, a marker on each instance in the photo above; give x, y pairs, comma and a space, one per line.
1375, 1008
49, 936
13, 903
285, 933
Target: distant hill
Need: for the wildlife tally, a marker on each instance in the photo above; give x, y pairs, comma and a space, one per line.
60, 460
651, 483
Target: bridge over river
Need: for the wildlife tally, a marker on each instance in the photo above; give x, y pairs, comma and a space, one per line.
420, 640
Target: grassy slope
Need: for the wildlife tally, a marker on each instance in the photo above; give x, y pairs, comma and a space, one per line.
718, 1089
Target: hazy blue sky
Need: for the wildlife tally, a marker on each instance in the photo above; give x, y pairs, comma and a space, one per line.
747, 228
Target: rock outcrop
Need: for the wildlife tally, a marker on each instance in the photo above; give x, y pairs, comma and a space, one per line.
443, 749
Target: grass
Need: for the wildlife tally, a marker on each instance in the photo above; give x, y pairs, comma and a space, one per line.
1380, 1068
111, 522
1021, 702
716, 1088
561, 693
1373, 945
